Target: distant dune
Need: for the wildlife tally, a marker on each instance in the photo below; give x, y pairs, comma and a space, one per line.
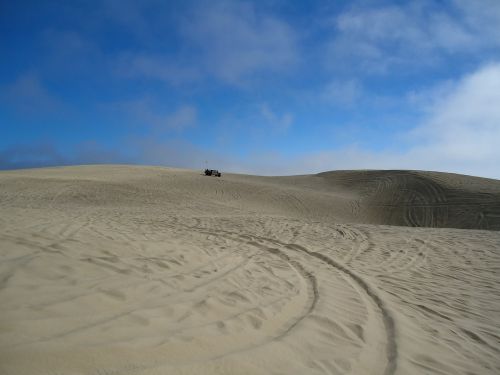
146, 270
423, 199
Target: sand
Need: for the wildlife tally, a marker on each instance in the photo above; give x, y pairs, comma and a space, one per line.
149, 270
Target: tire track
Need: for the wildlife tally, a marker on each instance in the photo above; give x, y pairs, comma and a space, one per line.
363, 243
391, 349
308, 276
252, 240
387, 318
278, 249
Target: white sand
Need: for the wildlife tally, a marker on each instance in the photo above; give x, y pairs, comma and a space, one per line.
145, 270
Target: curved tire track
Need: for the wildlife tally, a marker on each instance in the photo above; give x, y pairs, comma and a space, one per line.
391, 349
387, 318
308, 277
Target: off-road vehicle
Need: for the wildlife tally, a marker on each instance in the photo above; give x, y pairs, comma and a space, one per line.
212, 172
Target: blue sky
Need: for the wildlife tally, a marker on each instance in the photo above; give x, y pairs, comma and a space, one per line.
275, 87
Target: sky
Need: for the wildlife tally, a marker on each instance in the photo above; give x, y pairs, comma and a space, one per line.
259, 87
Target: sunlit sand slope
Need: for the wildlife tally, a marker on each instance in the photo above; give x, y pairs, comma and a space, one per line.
145, 270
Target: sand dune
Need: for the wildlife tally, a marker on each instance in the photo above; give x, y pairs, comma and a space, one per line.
148, 270
423, 199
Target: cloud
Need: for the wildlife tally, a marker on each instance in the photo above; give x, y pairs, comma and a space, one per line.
482, 18
69, 49
147, 112
235, 40
460, 133
278, 122
376, 39
30, 156
72, 56
344, 93
29, 97
46, 154
127, 14
428, 98
184, 116
464, 127
232, 41
156, 67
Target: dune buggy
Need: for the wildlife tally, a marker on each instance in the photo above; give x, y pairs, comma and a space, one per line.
212, 172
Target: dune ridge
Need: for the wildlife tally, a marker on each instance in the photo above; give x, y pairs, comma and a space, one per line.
147, 270
424, 199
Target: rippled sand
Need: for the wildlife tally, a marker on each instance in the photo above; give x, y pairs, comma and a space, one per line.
146, 270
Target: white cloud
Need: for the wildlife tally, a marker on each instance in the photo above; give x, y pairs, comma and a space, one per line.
344, 93
29, 96
279, 122
428, 98
483, 18
235, 40
185, 116
156, 67
145, 112
461, 133
465, 126
419, 33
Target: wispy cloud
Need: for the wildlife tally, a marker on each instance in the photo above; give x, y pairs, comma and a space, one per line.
482, 18
265, 80
46, 154
30, 156
427, 99
378, 38
156, 67
29, 97
344, 93
459, 133
183, 117
147, 113
235, 40
278, 122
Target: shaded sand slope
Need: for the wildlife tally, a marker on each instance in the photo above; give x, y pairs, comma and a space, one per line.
423, 199
147, 270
